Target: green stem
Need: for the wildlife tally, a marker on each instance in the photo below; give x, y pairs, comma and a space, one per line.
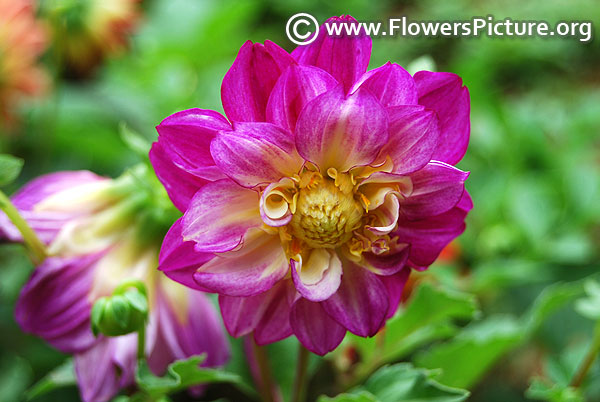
37, 249
589, 358
265, 372
141, 349
299, 394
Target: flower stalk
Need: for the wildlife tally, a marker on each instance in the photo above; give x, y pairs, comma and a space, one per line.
299, 393
589, 358
266, 377
37, 249
141, 346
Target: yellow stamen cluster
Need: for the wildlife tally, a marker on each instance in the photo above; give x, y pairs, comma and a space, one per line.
326, 214
331, 210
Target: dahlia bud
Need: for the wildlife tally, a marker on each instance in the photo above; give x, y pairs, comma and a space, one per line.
124, 312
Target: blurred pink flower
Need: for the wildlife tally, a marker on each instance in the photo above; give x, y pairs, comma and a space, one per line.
22, 40
100, 232
308, 208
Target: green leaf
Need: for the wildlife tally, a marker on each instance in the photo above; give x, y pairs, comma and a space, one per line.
61, 376
139, 397
466, 358
495, 274
183, 374
559, 371
361, 396
406, 383
10, 168
590, 306
549, 301
429, 316
134, 140
543, 390
15, 376
402, 382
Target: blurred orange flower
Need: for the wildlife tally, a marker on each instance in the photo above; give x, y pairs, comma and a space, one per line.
85, 32
450, 253
22, 40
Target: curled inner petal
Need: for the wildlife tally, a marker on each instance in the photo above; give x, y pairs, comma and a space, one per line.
278, 202
319, 276
276, 206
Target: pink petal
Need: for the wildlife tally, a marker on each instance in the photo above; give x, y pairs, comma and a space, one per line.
361, 303
427, 237
55, 305
444, 93
247, 85
341, 132
466, 202
242, 315
297, 86
44, 186
436, 189
413, 138
219, 215
256, 153
319, 276
179, 183
395, 286
45, 224
189, 133
189, 328
124, 356
391, 84
179, 260
97, 372
389, 263
275, 323
252, 269
313, 327
345, 57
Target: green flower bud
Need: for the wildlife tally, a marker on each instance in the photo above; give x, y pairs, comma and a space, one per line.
124, 312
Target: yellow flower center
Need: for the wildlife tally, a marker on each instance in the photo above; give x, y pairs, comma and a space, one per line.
326, 213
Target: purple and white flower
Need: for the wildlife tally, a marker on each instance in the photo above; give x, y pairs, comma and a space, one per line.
100, 232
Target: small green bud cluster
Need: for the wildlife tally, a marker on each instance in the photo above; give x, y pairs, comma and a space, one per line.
124, 312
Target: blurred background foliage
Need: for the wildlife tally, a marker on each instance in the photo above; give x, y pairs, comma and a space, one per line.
534, 159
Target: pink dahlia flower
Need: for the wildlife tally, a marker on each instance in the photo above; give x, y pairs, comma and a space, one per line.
308, 206
99, 233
